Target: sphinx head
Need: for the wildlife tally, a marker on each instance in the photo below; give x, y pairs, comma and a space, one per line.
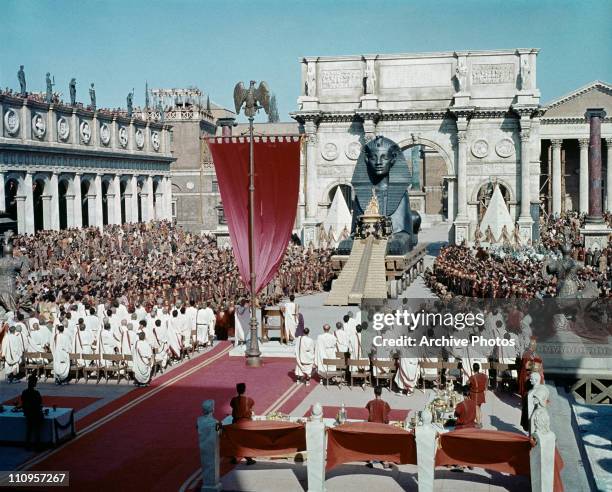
380, 155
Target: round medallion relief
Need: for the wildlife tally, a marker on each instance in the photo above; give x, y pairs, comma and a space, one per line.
190, 185
11, 122
330, 151
480, 148
105, 134
353, 150
123, 136
63, 129
39, 127
505, 147
155, 140
139, 137
85, 131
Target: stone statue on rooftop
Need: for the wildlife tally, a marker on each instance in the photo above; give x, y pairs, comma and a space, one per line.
92, 96
130, 103
50, 84
72, 90
22, 80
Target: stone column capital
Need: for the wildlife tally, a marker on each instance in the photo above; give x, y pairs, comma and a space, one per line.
583, 142
462, 136
525, 135
595, 113
609, 142
556, 143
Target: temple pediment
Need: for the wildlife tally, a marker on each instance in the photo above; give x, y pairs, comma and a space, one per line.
597, 94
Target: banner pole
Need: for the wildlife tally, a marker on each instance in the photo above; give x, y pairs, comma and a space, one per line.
253, 354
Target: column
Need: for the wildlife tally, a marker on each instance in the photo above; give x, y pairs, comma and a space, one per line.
462, 175
525, 213
51, 135
26, 121
556, 176
99, 215
450, 199
77, 211
160, 204
70, 207
311, 171
27, 219
131, 142
148, 210
609, 176
594, 117
2, 194
75, 134
584, 175
168, 197
116, 187
114, 143
96, 130
92, 203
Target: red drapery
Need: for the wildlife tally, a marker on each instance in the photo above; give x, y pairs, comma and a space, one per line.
505, 452
363, 441
262, 438
277, 179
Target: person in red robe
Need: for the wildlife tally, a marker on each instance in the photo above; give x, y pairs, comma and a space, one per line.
530, 361
242, 409
478, 387
466, 411
378, 411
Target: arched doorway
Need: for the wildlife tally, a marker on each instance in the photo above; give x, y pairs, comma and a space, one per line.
38, 190
484, 197
122, 187
85, 184
11, 188
428, 193
62, 187
105, 204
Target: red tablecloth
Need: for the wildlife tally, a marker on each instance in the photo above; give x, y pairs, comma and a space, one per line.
505, 452
363, 441
262, 438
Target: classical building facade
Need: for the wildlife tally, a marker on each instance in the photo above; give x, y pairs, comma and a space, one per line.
564, 132
477, 111
68, 166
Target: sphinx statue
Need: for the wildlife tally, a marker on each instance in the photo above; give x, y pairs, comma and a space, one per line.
382, 171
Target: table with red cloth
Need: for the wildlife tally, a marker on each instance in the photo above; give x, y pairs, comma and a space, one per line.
364, 441
505, 452
262, 438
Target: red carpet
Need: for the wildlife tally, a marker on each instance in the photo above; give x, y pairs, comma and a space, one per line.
361, 413
75, 402
147, 440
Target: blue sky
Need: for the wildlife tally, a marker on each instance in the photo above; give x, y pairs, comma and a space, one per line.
213, 44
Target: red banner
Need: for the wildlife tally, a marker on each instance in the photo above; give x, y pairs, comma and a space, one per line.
277, 180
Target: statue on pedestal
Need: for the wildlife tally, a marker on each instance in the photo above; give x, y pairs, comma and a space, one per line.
10, 268
382, 170
72, 90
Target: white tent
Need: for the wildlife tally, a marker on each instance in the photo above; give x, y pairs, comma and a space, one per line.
497, 216
338, 215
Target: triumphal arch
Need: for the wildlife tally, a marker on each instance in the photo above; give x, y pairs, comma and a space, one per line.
472, 115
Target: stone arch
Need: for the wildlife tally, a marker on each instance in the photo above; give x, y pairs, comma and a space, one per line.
40, 188
87, 184
325, 194
418, 140
13, 187
486, 180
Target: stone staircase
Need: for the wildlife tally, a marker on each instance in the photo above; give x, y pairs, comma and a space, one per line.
363, 275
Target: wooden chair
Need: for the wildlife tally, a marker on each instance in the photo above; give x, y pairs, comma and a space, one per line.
389, 369
117, 365
129, 371
74, 366
47, 367
267, 314
360, 369
430, 375
92, 364
33, 363
451, 371
339, 370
